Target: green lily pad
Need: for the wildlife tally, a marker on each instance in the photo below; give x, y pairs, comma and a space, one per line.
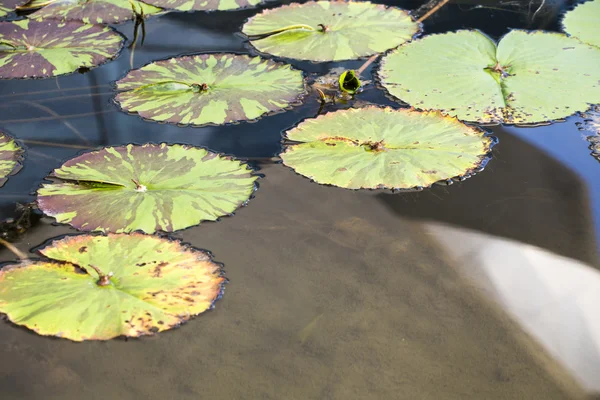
373, 147
8, 6
330, 30
11, 156
102, 287
204, 5
210, 89
95, 11
584, 22
154, 187
528, 78
41, 49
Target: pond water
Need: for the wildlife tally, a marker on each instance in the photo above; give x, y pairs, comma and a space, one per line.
484, 289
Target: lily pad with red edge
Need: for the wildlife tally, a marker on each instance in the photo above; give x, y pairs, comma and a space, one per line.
11, 156
8, 6
101, 287
378, 148
41, 49
204, 5
152, 187
96, 11
210, 89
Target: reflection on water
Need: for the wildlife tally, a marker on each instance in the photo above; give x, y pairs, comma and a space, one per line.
335, 294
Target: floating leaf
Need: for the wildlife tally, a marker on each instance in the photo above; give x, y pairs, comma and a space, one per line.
96, 11
330, 30
584, 22
349, 82
11, 156
210, 89
102, 287
149, 188
373, 147
8, 6
40, 49
528, 78
204, 5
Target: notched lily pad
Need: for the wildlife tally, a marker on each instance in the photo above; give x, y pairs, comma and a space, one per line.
41, 49
583, 22
153, 187
8, 6
204, 5
210, 89
101, 287
95, 11
11, 156
530, 77
373, 147
330, 30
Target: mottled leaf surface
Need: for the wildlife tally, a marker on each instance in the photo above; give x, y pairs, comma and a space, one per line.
156, 284
95, 11
373, 147
330, 30
204, 5
149, 188
11, 156
209, 89
584, 22
8, 6
41, 49
528, 78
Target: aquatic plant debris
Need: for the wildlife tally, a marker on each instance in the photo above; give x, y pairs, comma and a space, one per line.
8, 6
349, 82
150, 187
374, 147
530, 77
210, 89
204, 5
41, 49
583, 22
11, 155
101, 287
330, 30
96, 11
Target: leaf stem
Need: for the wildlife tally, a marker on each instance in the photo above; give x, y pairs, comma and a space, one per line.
433, 10
14, 250
103, 279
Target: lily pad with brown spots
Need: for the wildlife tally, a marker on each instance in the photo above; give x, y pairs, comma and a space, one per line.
95, 11
204, 5
101, 287
11, 156
153, 187
8, 6
41, 49
210, 89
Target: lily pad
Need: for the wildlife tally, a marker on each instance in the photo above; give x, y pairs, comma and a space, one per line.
8, 6
153, 187
102, 287
96, 11
373, 147
583, 22
330, 30
11, 156
204, 5
528, 78
210, 89
41, 49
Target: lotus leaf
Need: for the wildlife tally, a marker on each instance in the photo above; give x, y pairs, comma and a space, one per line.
584, 22
528, 78
102, 287
96, 11
330, 30
204, 5
8, 6
373, 147
10, 157
210, 89
152, 187
41, 49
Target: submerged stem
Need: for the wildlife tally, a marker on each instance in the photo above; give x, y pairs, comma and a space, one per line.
14, 250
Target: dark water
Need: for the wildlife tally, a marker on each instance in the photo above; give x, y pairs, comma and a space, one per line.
485, 289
